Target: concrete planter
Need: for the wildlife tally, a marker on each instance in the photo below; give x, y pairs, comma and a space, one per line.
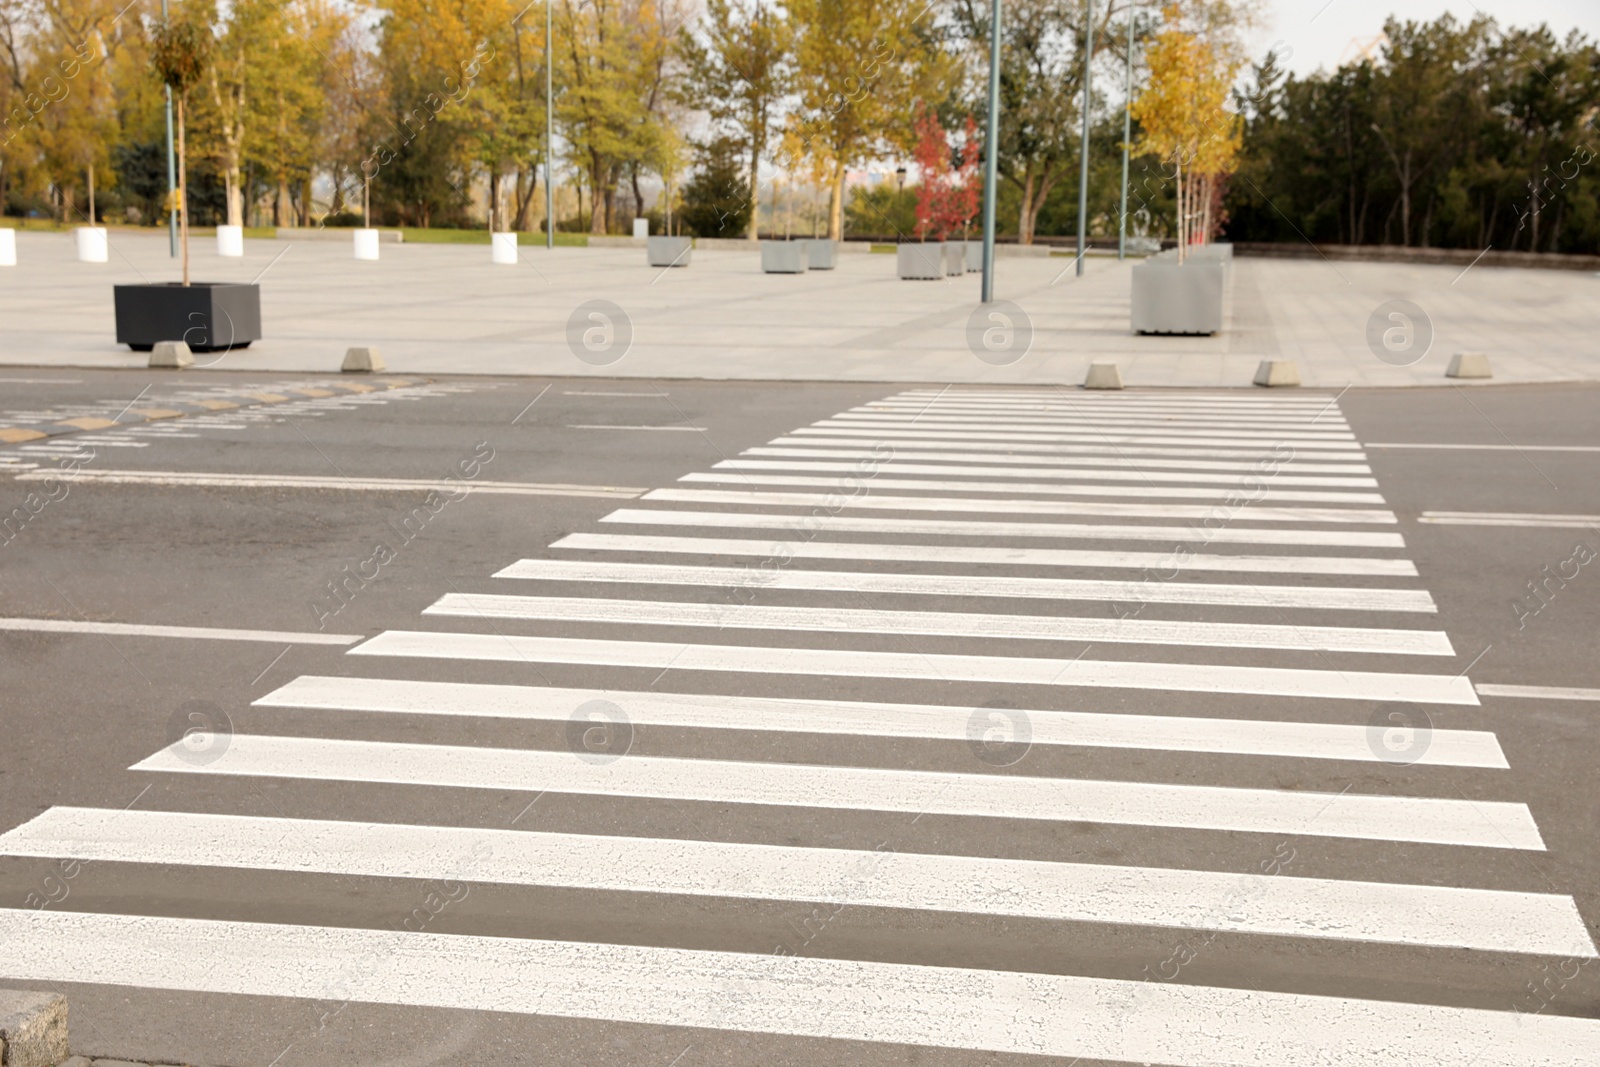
669, 251
207, 316
92, 244
783, 257
8, 247
974, 256
822, 253
503, 248
230, 241
921, 261
955, 258
366, 244
1169, 297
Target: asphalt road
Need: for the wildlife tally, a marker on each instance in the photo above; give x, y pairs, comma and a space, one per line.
1202, 893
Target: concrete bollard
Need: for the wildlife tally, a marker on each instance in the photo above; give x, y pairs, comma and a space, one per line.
1277, 372
503, 248
92, 244
33, 1028
366, 243
1103, 376
171, 354
362, 361
230, 241
8, 247
1469, 365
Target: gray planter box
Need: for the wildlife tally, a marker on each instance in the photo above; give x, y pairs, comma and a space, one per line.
783, 257
921, 261
974, 256
821, 253
669, 251
955, 257
207, 316
1169, 297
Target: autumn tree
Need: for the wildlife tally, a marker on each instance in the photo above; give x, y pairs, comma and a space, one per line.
1183, 119
180, 50
739, 73
860, 65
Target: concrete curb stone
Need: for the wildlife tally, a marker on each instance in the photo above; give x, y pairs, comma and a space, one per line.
33, 1028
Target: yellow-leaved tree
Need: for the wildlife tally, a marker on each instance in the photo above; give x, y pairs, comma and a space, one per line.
1183, 119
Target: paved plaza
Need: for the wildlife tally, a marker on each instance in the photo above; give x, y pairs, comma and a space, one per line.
447, 309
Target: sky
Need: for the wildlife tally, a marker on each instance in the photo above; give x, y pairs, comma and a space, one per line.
1308, 34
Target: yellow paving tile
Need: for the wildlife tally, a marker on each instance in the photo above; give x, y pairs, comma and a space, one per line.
356, 388
315, 392
269, 398
216, 405
88, 422
15, 434
158, 413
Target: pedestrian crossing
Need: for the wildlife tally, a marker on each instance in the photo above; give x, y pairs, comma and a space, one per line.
1149, 669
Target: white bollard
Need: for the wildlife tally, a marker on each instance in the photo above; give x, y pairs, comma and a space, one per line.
362, 361
1103, 376
366, 244
174, 354
230, 241
92, 244
1469, 365
641, 229
8, 247
503, 247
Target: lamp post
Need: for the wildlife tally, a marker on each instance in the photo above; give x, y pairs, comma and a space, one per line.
990, 149
1127, 133
172, 164
549, 133
1083, 168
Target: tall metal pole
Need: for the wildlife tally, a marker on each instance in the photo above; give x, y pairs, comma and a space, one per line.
1083, 169
1127, 133
549, 133
172, 165
990, 152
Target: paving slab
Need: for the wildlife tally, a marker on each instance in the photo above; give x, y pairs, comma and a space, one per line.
604, 311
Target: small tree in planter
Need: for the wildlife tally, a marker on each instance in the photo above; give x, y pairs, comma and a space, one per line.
206, 315
178, 52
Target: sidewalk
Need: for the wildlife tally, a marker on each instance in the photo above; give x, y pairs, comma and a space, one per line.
447, 309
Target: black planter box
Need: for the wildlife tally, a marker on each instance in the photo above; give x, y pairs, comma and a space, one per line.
208, 316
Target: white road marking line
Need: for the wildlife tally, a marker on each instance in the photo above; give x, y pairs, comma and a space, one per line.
204, 633
910, 1004
1130, 592
596, 392
1074, 423
284, 481
596, 426
1445, 821
883, 480
1309, 404
1487, 920
1496, 448
42, 381
1537, 692
1166, 733
892, 432
1250, 457
1245, 512
968, 625
1092, 413
805, 526
1491, 518
1005, 670
979, 466
1162, 563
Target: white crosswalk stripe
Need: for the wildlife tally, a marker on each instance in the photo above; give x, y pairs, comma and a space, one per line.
807, 568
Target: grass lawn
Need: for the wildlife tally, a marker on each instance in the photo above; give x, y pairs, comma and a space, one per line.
418, 235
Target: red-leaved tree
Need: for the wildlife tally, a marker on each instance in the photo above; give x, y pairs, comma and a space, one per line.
947, 197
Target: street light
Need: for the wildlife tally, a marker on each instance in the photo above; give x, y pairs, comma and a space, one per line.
990, 163
1127, 133
549, 134
1083, 169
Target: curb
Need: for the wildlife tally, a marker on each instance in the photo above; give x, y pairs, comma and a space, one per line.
33, 1028
14, 434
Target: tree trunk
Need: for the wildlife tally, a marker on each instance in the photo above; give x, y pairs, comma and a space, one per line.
1405, 202
91, 194
836, 204
230, 181
1027, 210
1177, 160
597, 218
755, 190
305, 200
